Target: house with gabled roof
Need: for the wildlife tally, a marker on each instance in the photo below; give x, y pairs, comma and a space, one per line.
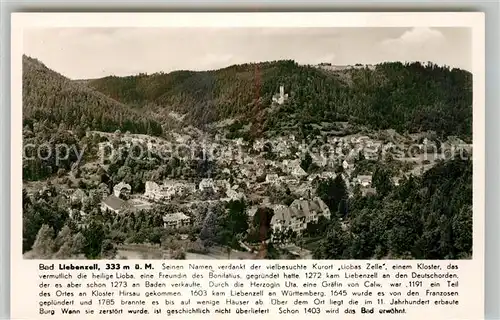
299, 214
175, 220
364, 180
122, 190
114, 204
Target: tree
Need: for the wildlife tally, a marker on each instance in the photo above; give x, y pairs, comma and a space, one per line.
64, 236
261, 224
78, 244
237, 218
233, 226
94, 235
332, 191
65, 251
462, 232
343, 207
208, 233
282, 236
108, 250
178, 254
44, 245
335, 243
382, 181
306, 162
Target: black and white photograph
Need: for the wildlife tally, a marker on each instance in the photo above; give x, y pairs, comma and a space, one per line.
198, 143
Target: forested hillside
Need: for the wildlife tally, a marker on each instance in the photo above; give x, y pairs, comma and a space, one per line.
406, 97
50, 98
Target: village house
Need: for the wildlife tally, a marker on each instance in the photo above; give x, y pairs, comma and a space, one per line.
167, 190
114, 204
207, 184
175, 220
320, 161
282, 148
154, 192
362, 139
364, 180
232, 194
298, 214
122, 190
396, 181
294, 168
328, 175
272, 178
372, 151
312, 177
222, 184
298, 172
103, 189
346, 165
304, 190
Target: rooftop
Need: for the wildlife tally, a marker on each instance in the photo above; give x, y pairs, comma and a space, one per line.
114, 202
176, 216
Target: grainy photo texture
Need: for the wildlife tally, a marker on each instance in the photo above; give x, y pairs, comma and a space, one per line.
247, 143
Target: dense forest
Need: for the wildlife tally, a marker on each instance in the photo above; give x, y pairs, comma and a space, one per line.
426, 217
409, 97
49, 97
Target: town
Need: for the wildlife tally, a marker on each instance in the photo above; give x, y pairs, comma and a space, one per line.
281, 173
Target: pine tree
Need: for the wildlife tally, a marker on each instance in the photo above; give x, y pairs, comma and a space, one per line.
44, 245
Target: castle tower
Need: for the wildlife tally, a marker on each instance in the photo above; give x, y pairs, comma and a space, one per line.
281, 97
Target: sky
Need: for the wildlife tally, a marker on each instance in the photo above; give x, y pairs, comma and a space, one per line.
86, 53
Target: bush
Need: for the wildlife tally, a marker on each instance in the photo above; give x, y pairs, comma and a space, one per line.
196, 247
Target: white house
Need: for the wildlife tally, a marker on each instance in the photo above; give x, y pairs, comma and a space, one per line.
396, 181
364, 180
258, 145
298, 172
299, 214
207, 184
175, 220
122, 190
168, 190
294, 168
345, 165
272, 178
232, 194
328, 175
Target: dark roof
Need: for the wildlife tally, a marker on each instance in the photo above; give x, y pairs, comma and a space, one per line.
114, 202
